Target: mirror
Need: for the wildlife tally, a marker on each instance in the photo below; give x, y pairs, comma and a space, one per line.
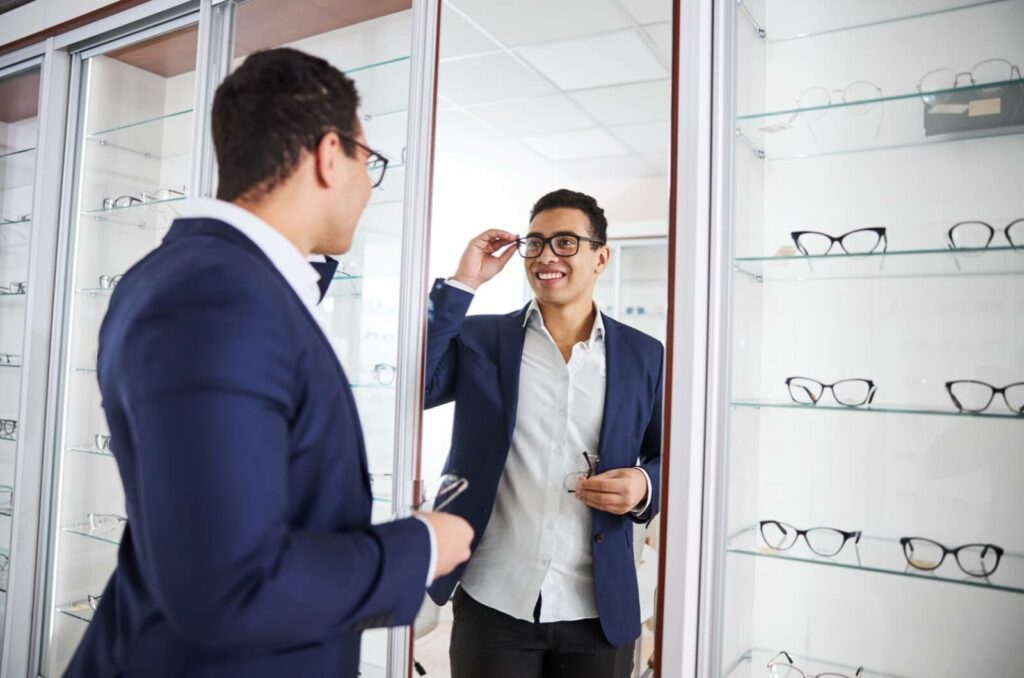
533, 97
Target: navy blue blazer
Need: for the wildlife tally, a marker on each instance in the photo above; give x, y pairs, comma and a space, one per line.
249, 550
475, 361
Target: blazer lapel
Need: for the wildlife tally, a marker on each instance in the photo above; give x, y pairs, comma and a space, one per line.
614, 358
511, 338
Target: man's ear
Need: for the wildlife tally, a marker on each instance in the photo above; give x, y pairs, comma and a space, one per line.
604, 255
325, 157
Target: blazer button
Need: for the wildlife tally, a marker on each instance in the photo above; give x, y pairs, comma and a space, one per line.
598, 538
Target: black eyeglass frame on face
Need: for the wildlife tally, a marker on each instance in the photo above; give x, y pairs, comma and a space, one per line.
993, 392
868, 398
375, 160
847, 535
789, 665
521, 246
880, 231
1019, 223
908, 548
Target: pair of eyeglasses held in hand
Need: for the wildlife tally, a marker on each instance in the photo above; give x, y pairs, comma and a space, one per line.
562, 244
587, 469
440, 493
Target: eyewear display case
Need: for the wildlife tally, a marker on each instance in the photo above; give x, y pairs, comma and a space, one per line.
866, 489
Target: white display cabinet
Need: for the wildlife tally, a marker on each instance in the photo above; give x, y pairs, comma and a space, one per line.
837, 125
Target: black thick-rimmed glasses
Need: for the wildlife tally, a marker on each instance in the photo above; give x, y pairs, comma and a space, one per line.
824, 541
562, 244
786, 669
8, 427
376, 162
979, 235
848, 392
860, 241
976, 396
977, 560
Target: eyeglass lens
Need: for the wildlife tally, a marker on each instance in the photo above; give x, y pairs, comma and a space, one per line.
860, 241
824, 541
849, 392
562, 245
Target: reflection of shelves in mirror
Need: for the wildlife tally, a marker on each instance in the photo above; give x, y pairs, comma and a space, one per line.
84, 370
854, 16
108, 536
82, 611
91, 450
885, 122
14, 233
345, 285
754, 662
142, 215
925, 263
8, 438
17, 169
96, 291
885, 556
373, 387
14, 365
147, 137
6, 511
992, 413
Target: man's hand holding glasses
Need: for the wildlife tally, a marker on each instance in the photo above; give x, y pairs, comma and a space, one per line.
617, 491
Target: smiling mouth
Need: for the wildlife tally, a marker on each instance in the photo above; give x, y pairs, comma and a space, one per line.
549, 275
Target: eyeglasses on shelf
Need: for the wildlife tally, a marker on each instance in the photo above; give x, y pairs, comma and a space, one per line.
109, 282
935, 85
9, 359
16, 287
781, 666
384, 373
976, 396
979, 234
848, 392
859, 241
8, 427
20, 219
102, 442
824, 541
143, 197
976, 560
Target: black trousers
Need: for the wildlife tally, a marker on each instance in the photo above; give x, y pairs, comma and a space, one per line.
486, 643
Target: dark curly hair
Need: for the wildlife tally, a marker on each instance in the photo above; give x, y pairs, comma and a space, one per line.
277, 103
563, 197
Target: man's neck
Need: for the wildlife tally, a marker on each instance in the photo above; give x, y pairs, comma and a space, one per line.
281, 216
569, 323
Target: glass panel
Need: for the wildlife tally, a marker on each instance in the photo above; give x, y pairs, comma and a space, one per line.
134, 148
842, 122
533, 97
371, 43
19, 102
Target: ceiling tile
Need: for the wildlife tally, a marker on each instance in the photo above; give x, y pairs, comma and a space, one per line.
661, 35
539, 115
459, 37
659, 160
588, 143
608, 169
489, 78
595, 61
642, 102
518, 22
649, 11
647, 137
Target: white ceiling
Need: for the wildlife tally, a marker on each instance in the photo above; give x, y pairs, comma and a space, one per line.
584, 84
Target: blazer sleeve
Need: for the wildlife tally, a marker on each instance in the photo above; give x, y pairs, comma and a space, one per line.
446, 311
650, 448
208, 387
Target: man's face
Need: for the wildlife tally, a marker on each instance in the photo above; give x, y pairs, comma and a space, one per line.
350, 191
559, 280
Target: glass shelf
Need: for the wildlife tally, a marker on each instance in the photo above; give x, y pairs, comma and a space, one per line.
876, 554
92, 451
755, 662
108, 536
141, 215
799, 20
8, 438
84, 370
921, 263
7, 511
96, 291
17, 169
895, 121
147, 137
993, 412
374, 65
11, 366
82, 611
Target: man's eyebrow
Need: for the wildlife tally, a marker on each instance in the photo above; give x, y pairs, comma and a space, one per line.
536, 234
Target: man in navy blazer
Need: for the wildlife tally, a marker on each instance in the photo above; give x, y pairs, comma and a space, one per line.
558, 429
248, 550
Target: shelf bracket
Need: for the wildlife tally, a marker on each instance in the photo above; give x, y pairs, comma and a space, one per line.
758, 29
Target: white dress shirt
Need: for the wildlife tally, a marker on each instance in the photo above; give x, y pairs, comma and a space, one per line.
293, 267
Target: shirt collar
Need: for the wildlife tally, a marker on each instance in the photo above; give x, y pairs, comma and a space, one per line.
533, 310
286, 258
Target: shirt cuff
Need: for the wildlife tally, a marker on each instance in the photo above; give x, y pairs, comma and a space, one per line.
433, 547
459, 286
640, 510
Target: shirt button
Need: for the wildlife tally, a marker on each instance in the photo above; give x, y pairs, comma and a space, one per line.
598, 538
